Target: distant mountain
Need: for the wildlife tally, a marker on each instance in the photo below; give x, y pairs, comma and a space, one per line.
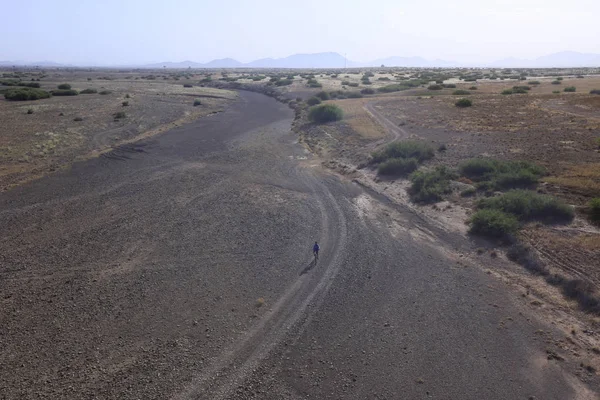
223, 63
414, 62
316, 60
563, 59
50, 64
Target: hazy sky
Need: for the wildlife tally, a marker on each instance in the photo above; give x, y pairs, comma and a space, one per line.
104, 32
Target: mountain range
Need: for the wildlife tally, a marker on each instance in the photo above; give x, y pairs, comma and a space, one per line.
563, 59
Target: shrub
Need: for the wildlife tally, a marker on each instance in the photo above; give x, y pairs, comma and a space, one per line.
507, 91
64, 92
521, 89
383, 78
473, 88
88, 91
583, 292
430, 186
534, 82
78, 119
345, 83
393, 88
450, 86
187, 85
325, 113
570, 89
501, 174
404, 149
313, 101
528, 205
197, 102
398, 166
315, 84
462, 103
284, 82
494, 223
524, 256
556, 91
595, 209
461, 92
64, 86
127, 96
556, 82
435, 87
323, 95
595, 91
89, 79
119, 115
104, 92
125, 103
367, 91
468, 192
30, 111
354, 95
353, 84
23, 94
560, 78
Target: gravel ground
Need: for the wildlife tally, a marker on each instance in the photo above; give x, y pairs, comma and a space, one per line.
180, 267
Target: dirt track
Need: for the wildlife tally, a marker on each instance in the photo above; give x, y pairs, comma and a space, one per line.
139, 274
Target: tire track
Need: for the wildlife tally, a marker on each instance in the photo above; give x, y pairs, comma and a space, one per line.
237, 363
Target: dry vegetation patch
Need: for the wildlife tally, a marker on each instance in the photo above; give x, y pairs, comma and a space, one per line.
37, 137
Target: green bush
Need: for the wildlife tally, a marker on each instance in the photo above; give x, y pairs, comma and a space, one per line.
528, 205
494, 223
64, 86
323, 95
187, 85
595, 91
404, 149
461, 92
468, 192
595, 209
393, 88
507, 91
354, 95
77, 119
119, 115
284, 82
450, 86
88, 91
398, 166
125, 103
430, 186
435, 87
556, 91
353, 84
23, 94
64, 92
462, 103
473, 88
345, 83
383, 78
560, 78
534, 82
197, 102
313, 101
521, 89
367, 91
570, 89
325, 113
556, 82
500, 175
105, 92
30, 111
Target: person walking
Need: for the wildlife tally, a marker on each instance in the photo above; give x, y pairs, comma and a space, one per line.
316, 249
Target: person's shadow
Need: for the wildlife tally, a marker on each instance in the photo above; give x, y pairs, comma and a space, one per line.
309, 266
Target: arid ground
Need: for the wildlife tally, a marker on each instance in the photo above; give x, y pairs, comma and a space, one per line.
175, 261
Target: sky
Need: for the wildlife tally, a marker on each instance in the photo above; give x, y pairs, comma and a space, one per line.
122, 32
